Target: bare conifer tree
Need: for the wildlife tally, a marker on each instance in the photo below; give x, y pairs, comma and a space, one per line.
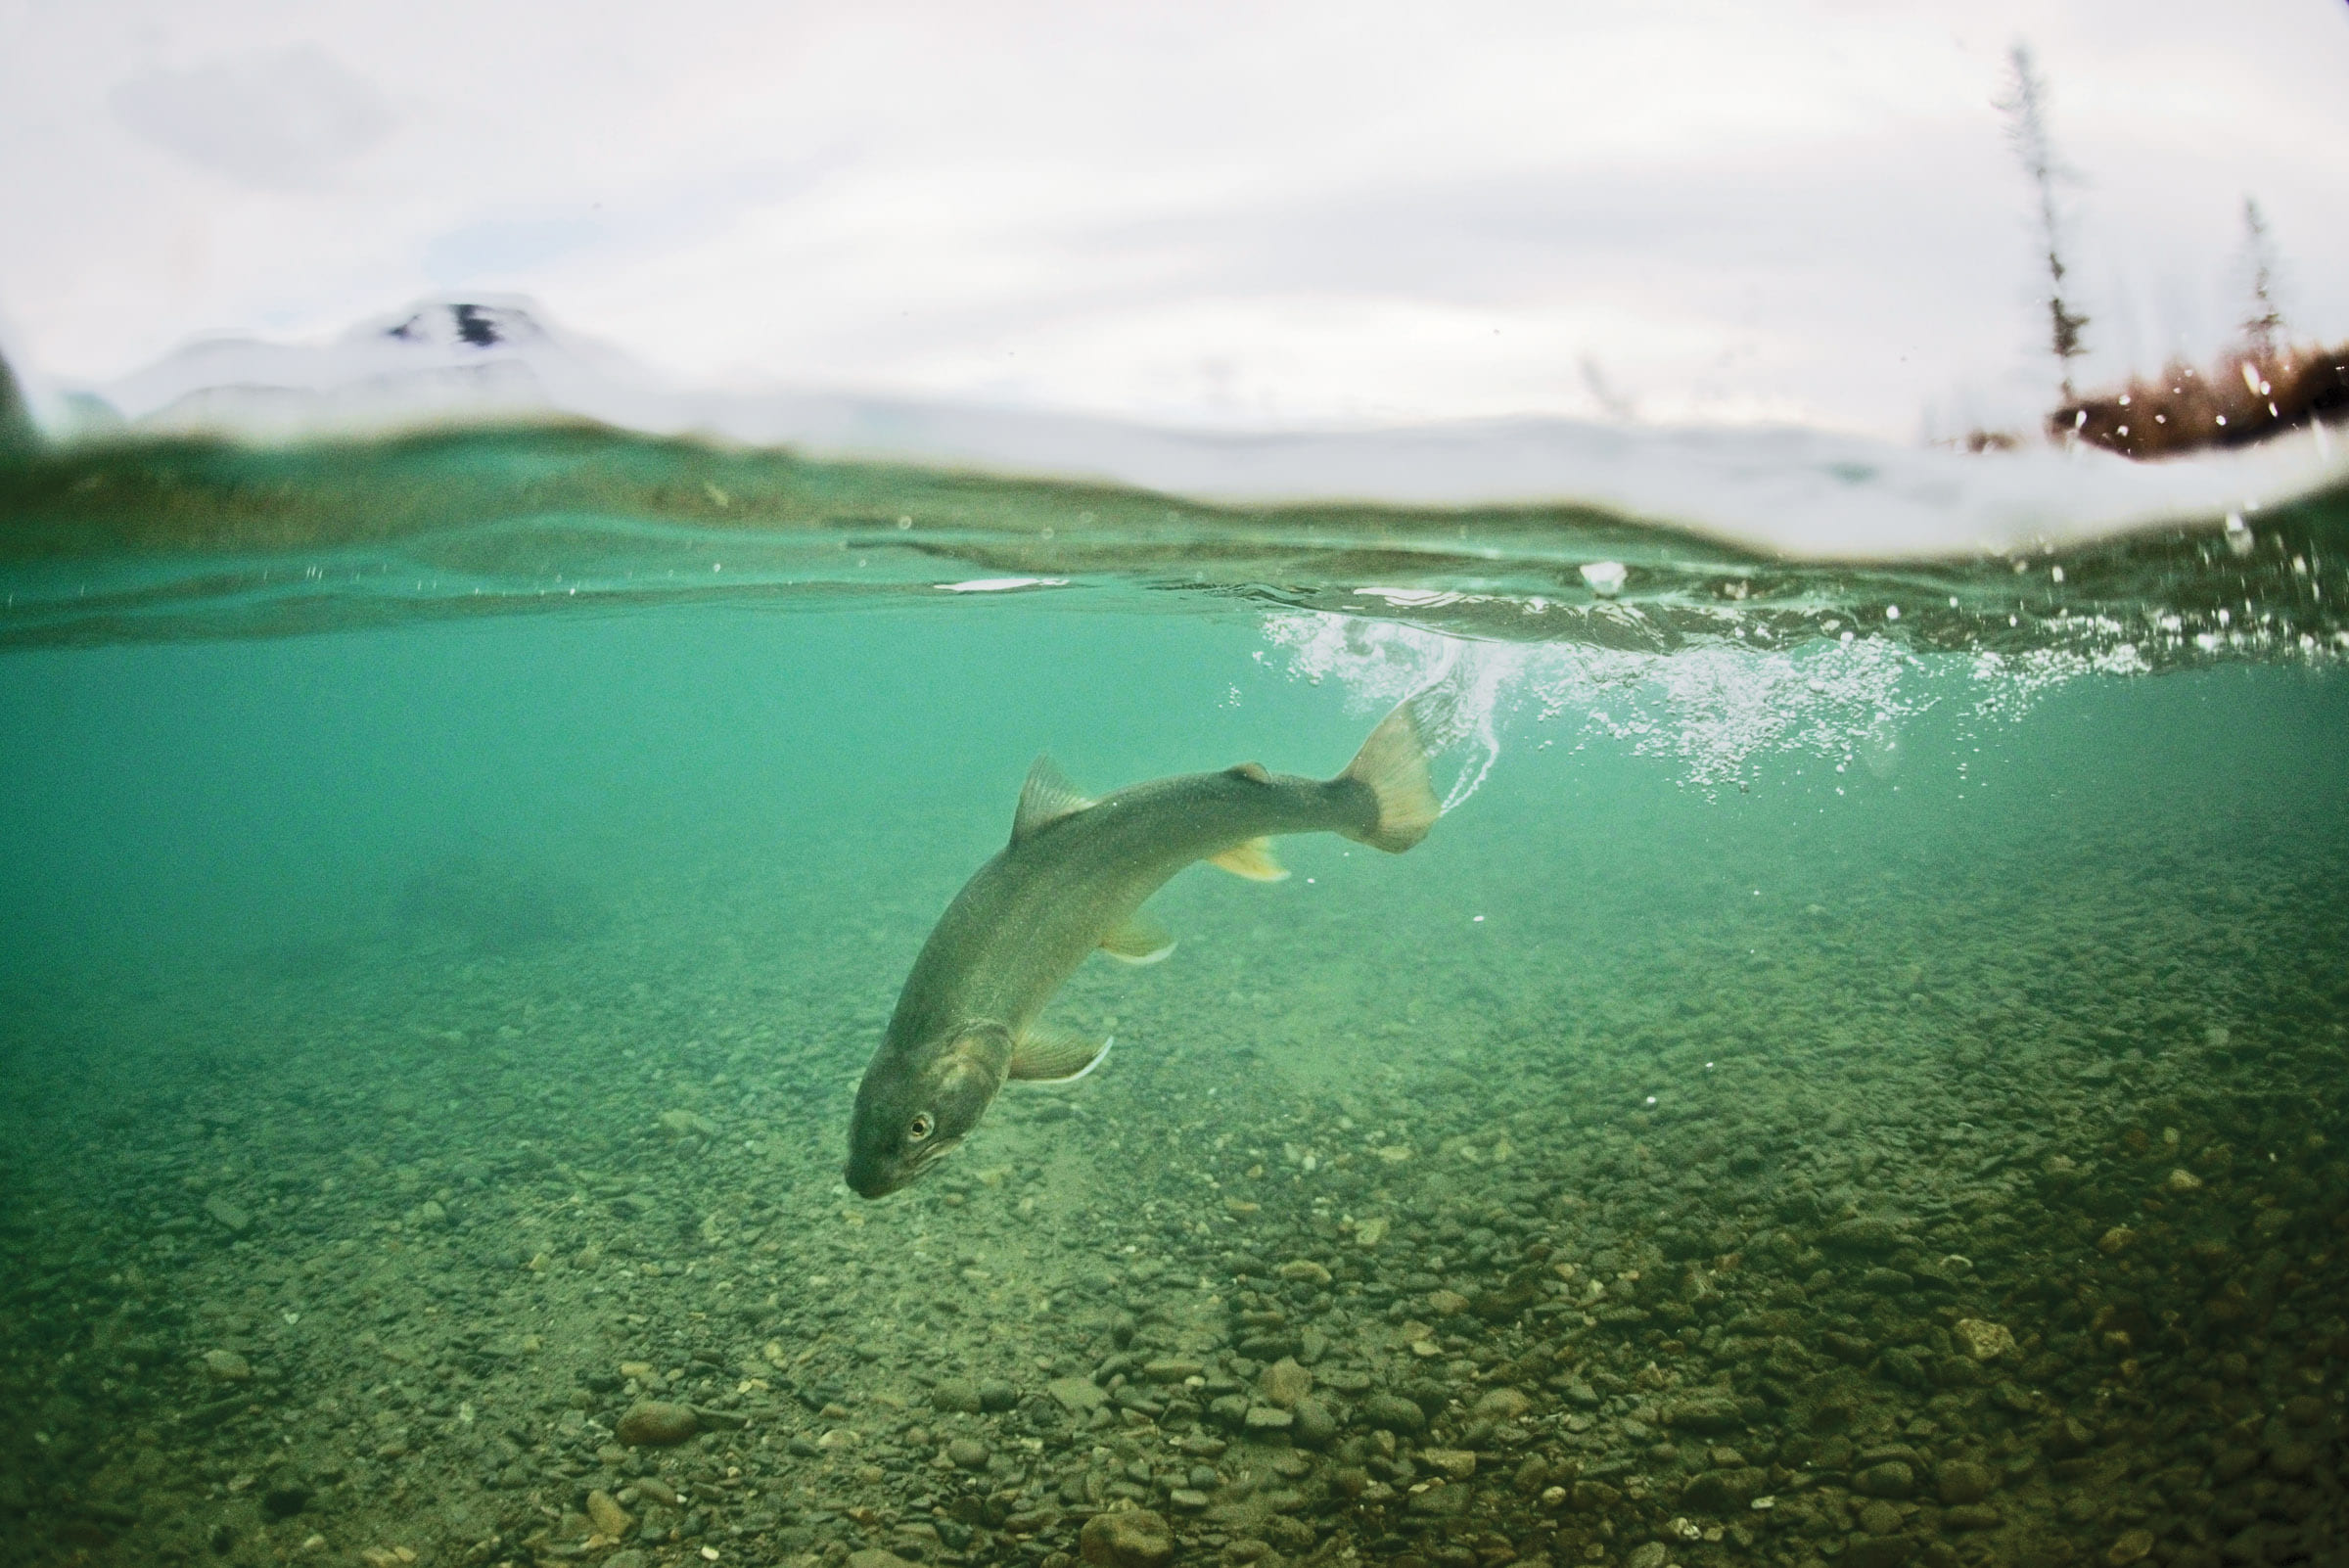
2025, 107
2266, 320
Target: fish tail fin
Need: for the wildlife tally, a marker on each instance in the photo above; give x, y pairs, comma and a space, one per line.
1393, 764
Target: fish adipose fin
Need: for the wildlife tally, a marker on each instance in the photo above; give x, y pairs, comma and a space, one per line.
1393, 762
1140, 940
1044, 799
1253, 861
1051, 1056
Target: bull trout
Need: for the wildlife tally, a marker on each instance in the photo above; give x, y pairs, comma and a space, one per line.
1071, 879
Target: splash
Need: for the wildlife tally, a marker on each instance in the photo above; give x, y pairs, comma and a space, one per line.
1714, 709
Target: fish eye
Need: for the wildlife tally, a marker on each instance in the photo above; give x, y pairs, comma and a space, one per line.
920, 1127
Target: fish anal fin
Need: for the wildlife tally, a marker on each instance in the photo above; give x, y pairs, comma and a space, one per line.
1049, 1054
1137, 940
1252, 859
1046, 799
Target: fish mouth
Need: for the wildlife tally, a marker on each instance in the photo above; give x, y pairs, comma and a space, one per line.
899, 1175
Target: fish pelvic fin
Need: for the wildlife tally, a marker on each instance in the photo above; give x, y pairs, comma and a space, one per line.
1252, 859
1137, 940
1044, 799
1048, 1054
1393, 762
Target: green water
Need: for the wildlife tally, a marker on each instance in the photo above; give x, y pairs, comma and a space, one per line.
1870, 1098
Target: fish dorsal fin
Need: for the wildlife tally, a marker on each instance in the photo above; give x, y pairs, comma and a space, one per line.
1044, 799
1137, 940
1050, 1054
1253, 860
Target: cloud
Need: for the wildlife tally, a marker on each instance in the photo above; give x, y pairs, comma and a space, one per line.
284, 119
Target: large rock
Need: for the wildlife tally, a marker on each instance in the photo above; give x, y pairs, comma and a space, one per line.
1134, 1537
656, 1423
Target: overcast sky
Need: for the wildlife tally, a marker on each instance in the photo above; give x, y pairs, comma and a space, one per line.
1200, 211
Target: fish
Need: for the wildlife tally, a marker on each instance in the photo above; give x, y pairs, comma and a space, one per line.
1073, 879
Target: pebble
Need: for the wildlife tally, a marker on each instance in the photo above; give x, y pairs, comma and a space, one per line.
228, 1367
1391, 1412
955, 1394
1078, 1396
871, 1558
1503, 1405
1134, 1537
228, 1214
1268, 1419
1983, 1340
968, 1453
1964, 1480
1457, 1464
2182, 1181
1284, 1383
1891, 1479
656, 1423
1304, 1270
608, 1516
1316, 1422
2131, 1548
1647, 1554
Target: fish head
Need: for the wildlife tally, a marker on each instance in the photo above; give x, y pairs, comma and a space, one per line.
913, 1111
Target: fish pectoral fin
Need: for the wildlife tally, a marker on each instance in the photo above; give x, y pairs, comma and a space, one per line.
1050, 1054
1046, 799
1253, 861
1139, 940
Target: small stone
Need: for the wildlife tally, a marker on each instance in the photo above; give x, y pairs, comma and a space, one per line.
1970, 1516
285, 1501
1187, 1500
996, 1398
1504, 1405
2135, 1545
1304, 1270
430, 1215
968, 1453
1445, 1302
1891, 1479
1865, 1234
2116, 1240
1457, 1464
1316, 1422
1390, 1412
608, 1516
1133, 1538
2182, 1181
1268, 1419
957, 1393
1169, 1370
1704, 1413
656, 1423
1724, 1491
1964, 1480
1983, 1340
871, 1558
1647, 1554
1284, 1383
229, 1215
1371, 1232
228, 1367
1879, 1518
687, 1123
1078, 1396
1879, 1551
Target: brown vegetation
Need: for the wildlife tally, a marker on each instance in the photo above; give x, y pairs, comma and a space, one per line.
2257, 394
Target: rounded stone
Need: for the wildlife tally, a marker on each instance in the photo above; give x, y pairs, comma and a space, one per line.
968, 1453
1964, 1481
1391, 1412
958, 1394
1316, 1422
656, 1423
1134, 1537
1891, 1479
